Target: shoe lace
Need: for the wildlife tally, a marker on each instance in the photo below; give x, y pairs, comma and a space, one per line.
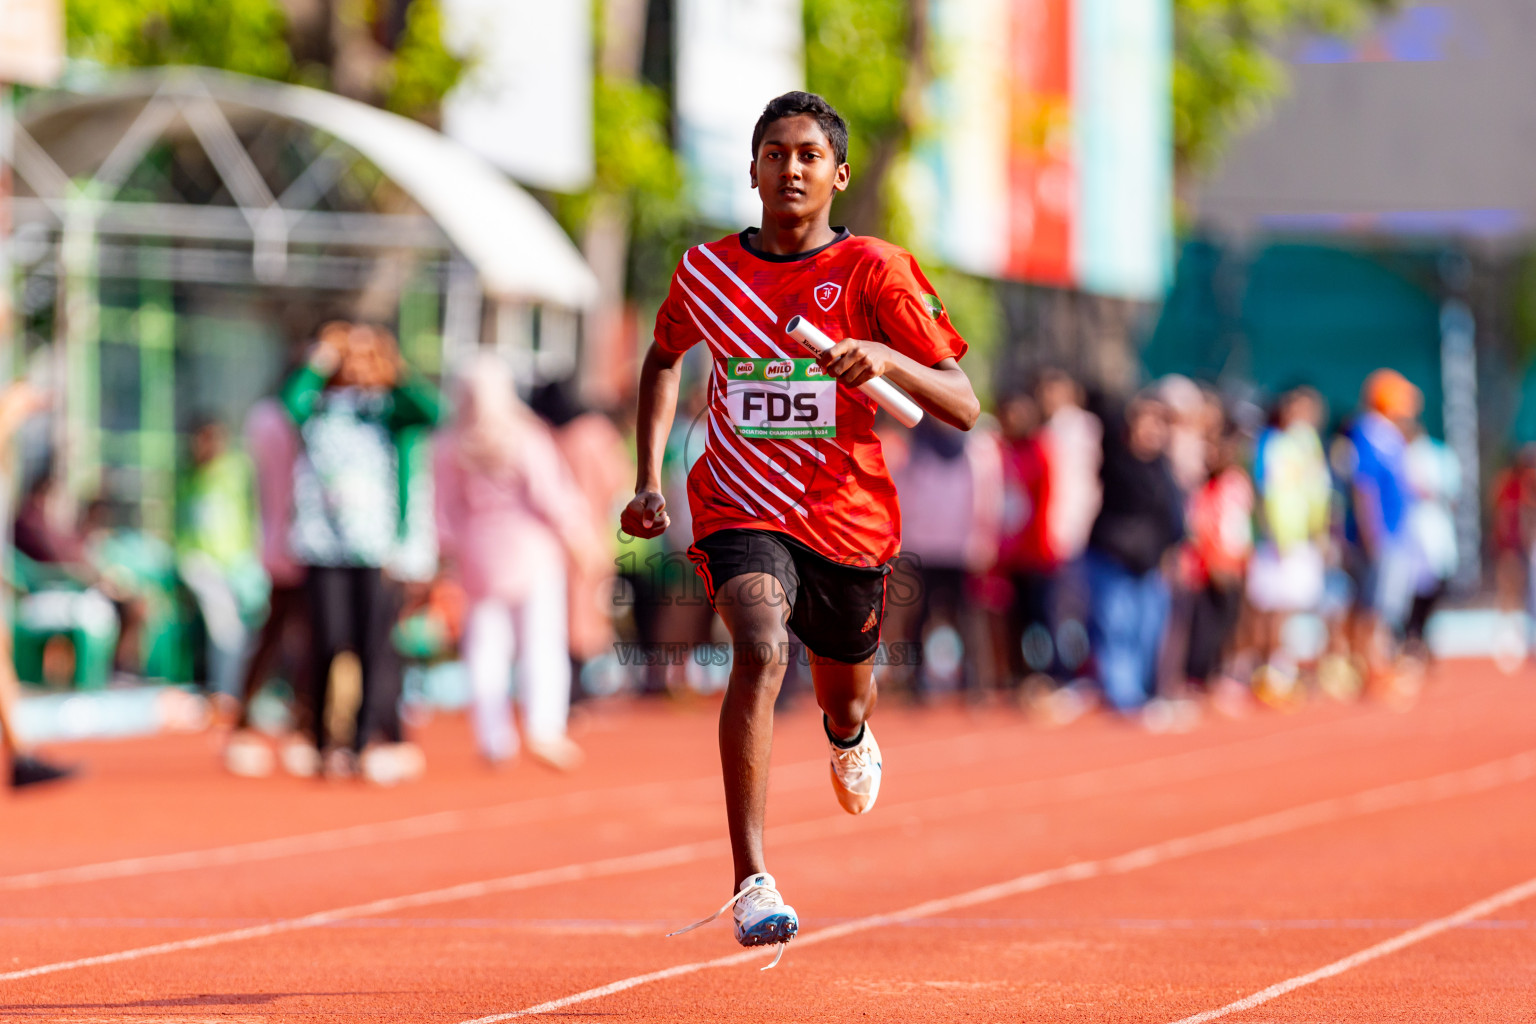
752, 895
852, 757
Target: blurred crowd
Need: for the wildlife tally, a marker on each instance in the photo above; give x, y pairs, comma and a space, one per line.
1157, 555
1176, 550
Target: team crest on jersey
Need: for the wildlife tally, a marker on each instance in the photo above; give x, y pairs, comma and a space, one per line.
827, 294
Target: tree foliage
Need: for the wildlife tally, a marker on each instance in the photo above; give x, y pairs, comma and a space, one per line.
857, 54
633, 155
238, 35
1226, 70
253, 37
422, 70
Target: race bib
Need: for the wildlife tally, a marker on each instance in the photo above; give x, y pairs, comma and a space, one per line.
780, 398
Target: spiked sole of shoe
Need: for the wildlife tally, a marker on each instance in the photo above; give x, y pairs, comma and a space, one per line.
770, 931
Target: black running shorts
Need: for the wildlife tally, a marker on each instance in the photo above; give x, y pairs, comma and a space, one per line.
835, 609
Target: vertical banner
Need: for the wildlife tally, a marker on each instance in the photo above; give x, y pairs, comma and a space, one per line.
1124, 128
733, 56
525, 103
968, 189
1049, 156
1042, 186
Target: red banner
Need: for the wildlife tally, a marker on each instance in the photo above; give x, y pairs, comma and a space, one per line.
1041, 175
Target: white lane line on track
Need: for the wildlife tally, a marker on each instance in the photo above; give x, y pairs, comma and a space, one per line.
1519, 768
470, 890
351, 837
819, 828
1079, 784
789, 776
640, 926
1468, 780
1482, 908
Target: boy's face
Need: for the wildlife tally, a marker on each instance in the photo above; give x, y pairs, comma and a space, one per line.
796, 173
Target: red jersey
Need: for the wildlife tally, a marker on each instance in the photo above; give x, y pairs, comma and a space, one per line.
788, 449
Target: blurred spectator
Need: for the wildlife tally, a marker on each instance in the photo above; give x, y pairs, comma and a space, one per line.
1379, 556
81, 594
1216, 557
1434, 480
948, 535
1193, 413
1072, 439
273, 442
685, 616
1140, 522
1026, 554
18, 402
1295, 493
216, 552
1189, 429
357, 492
604, 471
509, 516
1513, 501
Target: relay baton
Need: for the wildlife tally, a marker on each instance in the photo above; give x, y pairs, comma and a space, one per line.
887, 395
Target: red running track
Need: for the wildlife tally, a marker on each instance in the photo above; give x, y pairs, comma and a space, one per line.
1340, 863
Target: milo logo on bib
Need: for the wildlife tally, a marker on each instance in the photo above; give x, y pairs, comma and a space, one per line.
780, 398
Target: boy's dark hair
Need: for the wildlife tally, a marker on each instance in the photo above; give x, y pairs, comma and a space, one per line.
794, 104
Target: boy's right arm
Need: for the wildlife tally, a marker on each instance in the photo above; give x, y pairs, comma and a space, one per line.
646, 515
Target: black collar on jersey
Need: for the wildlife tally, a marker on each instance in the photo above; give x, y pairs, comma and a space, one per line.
793, 257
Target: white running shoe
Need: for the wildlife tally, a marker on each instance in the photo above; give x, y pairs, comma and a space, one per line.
299, 758
559, 752
762, 917
855, 771
389, 764
248, 754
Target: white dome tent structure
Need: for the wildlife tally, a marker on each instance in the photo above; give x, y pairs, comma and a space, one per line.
171, 229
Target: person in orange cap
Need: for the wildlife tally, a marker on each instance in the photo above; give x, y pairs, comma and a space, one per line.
1377, 554
1394, 397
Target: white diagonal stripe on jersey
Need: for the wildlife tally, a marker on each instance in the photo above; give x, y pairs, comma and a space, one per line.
715, 342
719, 435
742, 503
808, 447
707, 311
758, 499
719, 446
746, 505
733, 308
739, 283
757, 453
784, 449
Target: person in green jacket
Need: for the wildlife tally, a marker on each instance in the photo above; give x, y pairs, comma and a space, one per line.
362, 519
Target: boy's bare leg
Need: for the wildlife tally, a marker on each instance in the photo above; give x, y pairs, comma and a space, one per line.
846, 693
754, 609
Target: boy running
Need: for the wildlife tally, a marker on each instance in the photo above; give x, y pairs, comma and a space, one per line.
795, 517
